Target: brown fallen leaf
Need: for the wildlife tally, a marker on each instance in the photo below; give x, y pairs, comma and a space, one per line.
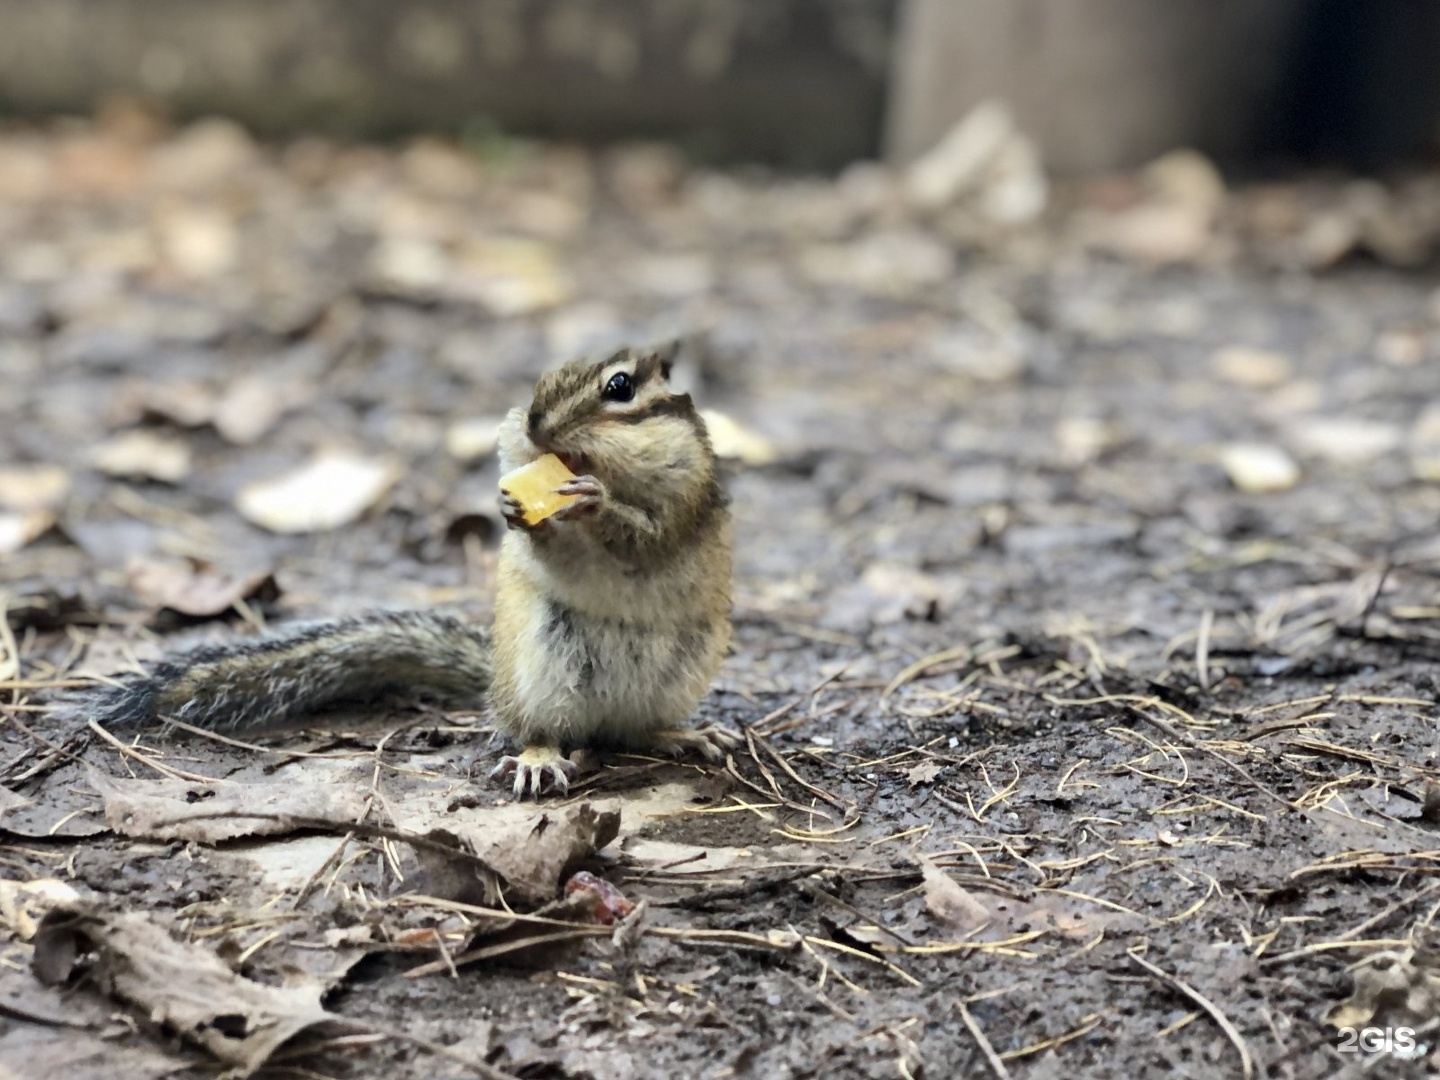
986, 916
195, 589
209, 813
530, 853
63, 1034
925, 773
185, 987
950, 903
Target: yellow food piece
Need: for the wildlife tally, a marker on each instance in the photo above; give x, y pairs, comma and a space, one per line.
533, 487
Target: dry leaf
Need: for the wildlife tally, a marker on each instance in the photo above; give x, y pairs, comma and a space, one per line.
33, 487
1245, 365
143, 454
512, 276
332, 490
730, 440
951, 904
24, 904
254, 404
17, 530
184, 987
210, 813
1424, 444
985, 916
471, 440
1082, 439
1344, 440
65, 1050
925, 773
199, 242
1392, 989
194, 590
535, 856
532, 852
186, 402
1258, 467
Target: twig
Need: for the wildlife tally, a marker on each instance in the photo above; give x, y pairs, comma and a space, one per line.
991, 1057
130, 751
1247, 1063
755, 740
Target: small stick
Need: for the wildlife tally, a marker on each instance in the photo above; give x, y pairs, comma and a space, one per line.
130, 751
991, 1057
1247, 1064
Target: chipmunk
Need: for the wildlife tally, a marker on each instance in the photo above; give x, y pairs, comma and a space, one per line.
611, 616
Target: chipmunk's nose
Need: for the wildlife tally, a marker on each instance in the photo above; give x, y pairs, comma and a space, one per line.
534, 428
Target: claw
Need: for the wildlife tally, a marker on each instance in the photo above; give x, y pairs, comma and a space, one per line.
711, 741
589, 497
513, 512
536, 769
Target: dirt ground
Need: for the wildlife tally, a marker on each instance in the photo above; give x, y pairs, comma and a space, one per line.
1086, 609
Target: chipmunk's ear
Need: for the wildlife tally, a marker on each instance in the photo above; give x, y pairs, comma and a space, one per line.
666, 355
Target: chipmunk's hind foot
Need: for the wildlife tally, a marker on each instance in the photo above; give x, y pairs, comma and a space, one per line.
710, 741
537, 770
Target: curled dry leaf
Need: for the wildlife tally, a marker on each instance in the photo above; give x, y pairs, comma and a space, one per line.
210, 813
950, 904
182, 986
144, 455
332, 490
195, 590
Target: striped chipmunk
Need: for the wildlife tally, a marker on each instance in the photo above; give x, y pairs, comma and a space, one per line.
612, 615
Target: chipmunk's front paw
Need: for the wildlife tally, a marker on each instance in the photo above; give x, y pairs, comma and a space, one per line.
711, 741
589, 498
537, 769
513, 511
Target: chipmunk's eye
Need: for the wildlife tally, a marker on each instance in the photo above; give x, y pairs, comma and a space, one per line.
620, 388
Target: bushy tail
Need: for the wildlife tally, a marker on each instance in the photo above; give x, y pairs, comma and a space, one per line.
276, 680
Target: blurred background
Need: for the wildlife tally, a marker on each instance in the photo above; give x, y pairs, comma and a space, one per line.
815, 84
